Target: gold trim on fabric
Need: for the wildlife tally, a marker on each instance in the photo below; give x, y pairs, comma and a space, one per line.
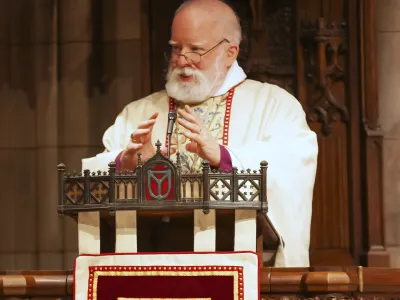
236, 272
164, 299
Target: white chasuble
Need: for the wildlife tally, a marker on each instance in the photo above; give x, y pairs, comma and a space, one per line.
266, 123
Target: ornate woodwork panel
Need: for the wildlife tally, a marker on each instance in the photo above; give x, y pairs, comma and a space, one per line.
311, 48
322, 73
271, 57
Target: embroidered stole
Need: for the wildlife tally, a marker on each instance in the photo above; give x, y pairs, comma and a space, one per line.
215, 114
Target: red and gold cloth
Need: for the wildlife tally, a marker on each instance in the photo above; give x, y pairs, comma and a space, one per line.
214, 276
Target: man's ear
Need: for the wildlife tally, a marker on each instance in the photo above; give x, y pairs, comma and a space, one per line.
233, 52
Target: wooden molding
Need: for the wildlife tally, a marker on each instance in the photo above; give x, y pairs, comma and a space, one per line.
375, 253
354, 136
275, 283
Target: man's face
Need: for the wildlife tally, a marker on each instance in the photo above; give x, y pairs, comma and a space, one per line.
196, 77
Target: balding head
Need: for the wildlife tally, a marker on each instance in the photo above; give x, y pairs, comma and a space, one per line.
217, 12
205, 38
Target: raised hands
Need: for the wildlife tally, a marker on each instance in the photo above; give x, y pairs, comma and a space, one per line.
202, 142
140, 141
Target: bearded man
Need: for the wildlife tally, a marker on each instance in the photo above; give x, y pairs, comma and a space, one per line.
226, 119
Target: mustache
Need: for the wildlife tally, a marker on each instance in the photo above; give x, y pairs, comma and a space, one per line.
186, 71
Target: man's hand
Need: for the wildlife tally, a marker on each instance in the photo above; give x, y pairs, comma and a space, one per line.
203, 143
140, 141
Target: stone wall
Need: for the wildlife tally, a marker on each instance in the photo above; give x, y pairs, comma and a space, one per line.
52, 110
388, 23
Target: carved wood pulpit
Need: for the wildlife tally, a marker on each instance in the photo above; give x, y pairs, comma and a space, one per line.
158, 208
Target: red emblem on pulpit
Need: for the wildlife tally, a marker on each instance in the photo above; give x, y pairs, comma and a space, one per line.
159, 178
159, 184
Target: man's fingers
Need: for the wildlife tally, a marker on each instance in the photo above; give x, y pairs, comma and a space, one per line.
195, 137
138, 134
188, 116
154, 115
191, 147
134, 146
189, 126
147, 124
188, 109
191, 112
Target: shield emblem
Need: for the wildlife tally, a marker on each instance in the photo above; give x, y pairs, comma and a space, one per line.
156, 184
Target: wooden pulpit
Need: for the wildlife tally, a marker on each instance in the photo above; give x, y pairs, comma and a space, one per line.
159, 208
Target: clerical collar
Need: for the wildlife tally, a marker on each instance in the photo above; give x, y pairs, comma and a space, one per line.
234, 76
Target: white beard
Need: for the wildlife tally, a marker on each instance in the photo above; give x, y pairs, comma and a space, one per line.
196, 91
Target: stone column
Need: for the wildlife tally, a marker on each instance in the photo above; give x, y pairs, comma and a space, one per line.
122, 52
44, 81
100, 74
68, 67
27, 106
76, 137
388, 23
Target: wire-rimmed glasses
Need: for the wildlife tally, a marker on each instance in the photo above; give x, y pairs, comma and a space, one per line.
191, 57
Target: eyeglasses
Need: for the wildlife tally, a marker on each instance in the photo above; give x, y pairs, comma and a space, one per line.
191, 57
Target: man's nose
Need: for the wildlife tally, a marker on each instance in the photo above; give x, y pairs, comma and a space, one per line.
182, 62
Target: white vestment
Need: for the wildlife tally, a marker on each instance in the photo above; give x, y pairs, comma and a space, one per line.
267, 123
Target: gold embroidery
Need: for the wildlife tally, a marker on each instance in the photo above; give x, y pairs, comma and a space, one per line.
212, 114
168, 271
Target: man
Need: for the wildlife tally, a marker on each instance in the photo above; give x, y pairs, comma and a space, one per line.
226, 119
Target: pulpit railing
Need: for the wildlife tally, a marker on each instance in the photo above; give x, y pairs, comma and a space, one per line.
158, 184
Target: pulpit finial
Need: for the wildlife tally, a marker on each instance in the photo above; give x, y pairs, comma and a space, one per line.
158, 145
